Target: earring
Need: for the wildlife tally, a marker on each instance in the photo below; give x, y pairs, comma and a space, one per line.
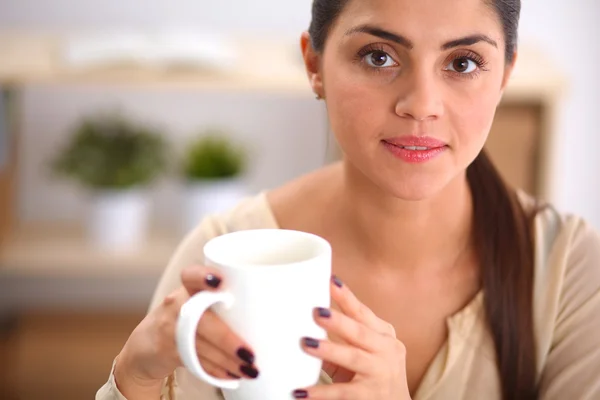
318, 97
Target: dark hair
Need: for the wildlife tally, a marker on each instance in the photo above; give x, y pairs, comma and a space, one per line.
503, 234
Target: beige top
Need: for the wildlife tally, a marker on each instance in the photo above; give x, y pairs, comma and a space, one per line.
566, 312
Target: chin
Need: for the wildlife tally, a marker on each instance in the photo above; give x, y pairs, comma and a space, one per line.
405, 182
408, 190
412, 184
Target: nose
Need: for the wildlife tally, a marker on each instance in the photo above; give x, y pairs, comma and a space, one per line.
422, 99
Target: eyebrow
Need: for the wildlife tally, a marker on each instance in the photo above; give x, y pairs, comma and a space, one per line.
401, 40
374, 31
468, 41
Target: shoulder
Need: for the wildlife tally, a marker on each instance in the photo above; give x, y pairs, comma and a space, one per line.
565, 238
566, 275
272, 208
567, 266
559, 233
567, 256
249, 213
299, 203
566, 301
572, 246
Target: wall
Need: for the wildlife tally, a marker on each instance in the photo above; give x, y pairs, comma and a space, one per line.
257, 16
567, 30
286, 137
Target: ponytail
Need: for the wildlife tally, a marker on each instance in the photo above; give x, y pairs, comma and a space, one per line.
504, 242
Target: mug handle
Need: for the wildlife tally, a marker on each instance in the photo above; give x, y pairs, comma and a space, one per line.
187, 324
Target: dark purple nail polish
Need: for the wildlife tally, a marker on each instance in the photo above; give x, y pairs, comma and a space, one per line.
312, 343
245, 355
234, 376
337, 281
213, 281
324, 312
249, 371
300, 394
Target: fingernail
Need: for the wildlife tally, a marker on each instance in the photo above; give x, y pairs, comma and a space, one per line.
213, 281
249, 371
337, 281
312, 343
300, 394
324, 312
245, 355
234, 376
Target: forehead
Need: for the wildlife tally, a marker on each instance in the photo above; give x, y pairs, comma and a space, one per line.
423, 21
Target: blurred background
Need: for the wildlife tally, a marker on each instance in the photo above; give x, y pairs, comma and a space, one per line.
123, 123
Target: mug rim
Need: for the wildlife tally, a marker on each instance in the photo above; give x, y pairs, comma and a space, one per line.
324, 248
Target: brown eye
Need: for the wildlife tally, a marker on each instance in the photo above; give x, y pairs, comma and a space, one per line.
462, 65
379, 59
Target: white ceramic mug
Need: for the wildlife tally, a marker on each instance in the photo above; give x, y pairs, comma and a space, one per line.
273, 281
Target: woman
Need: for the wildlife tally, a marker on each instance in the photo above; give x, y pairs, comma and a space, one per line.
454, 286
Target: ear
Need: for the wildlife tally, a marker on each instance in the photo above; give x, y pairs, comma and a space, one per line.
312, 63
508, 70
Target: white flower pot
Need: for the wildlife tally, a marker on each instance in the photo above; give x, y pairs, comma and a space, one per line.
118, 220
202, 198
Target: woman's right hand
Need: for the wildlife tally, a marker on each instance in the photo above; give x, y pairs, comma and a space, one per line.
150, 354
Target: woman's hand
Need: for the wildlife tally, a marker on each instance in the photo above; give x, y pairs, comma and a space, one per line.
150, 354
366, 361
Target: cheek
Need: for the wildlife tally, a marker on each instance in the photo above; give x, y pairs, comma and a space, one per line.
471, 118
356, 110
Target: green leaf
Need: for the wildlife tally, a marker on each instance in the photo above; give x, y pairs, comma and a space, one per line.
213, 155
107, 151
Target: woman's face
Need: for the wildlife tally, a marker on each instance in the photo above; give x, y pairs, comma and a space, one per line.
412, 88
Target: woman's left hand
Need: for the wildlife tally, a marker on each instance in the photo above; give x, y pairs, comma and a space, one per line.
366, 361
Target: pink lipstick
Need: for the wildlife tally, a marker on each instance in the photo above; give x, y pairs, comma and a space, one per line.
415, 149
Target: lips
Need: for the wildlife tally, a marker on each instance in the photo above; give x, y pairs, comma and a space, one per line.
415, 150
416, 142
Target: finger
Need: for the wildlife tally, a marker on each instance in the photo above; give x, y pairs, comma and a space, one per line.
352, 307
214, 330
337, 373
328, 392
224, 361
198, 278
216, 370
330, 369
351, 358
350, 331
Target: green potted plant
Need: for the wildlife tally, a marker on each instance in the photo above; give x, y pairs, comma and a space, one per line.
213, 168
114, 159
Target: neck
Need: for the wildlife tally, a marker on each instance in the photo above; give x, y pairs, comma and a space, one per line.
396, 233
